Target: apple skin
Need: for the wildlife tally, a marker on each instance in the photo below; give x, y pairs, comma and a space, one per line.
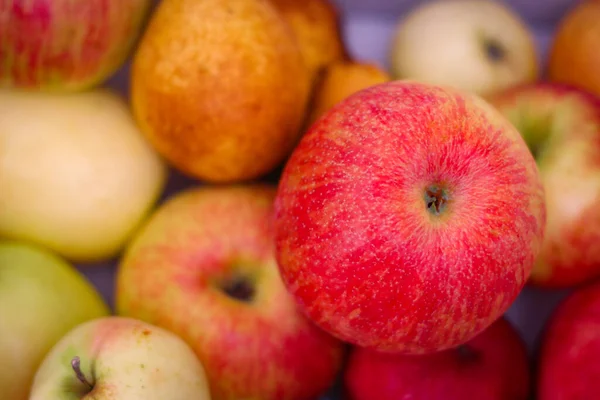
568, 366
561, 124
175, 273
491, 366
363, 248
42, 297
76, 174
66, 45
122, 358
481, 46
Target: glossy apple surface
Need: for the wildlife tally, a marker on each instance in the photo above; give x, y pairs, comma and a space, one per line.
561, 125
491, 366
42, 297
203, 267
408, 218
120, 358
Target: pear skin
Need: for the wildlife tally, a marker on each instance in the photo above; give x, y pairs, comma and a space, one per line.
317, 26
342, 79
220, 88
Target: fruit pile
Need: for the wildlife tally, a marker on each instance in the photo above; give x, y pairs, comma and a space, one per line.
288, 221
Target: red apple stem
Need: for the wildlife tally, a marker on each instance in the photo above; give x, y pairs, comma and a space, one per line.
76, 365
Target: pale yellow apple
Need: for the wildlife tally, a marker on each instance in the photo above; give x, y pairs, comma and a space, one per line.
481, 46
76, 176
117, 358
42, 297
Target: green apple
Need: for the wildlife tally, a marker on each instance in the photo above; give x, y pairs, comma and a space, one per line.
76, 175
120, 358
42, 297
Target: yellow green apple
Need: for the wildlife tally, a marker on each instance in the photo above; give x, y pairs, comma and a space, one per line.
77, 176
113, 358
42, 297
481, 46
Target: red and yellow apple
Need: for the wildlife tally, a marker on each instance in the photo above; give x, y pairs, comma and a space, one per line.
482, 46
113, 358
561, 125
567, 365
491, 366
42, 297
408, 218
203, 267
66, 45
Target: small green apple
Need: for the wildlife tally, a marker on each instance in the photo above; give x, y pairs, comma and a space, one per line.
42, 297
120, 358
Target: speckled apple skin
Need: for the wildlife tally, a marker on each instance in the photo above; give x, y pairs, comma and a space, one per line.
570, 348
359, 250
66, 45
570, 171
495, 368
169, 276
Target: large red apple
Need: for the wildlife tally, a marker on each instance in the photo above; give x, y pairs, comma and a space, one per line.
408, 218
561, 125
570, 348
492, 366
66, 45
204, 267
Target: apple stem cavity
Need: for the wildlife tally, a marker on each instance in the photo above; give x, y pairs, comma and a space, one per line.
239, 288
494, 50
436, 199
76, 365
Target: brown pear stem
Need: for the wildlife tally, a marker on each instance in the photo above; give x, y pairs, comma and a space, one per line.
76, 365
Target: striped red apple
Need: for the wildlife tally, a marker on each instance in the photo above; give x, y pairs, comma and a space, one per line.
66, 45
408, 218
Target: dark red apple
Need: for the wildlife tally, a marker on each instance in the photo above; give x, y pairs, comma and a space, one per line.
570, 349
492, 366
408, 218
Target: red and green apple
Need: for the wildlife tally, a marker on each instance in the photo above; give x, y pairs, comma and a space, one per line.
561, 125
